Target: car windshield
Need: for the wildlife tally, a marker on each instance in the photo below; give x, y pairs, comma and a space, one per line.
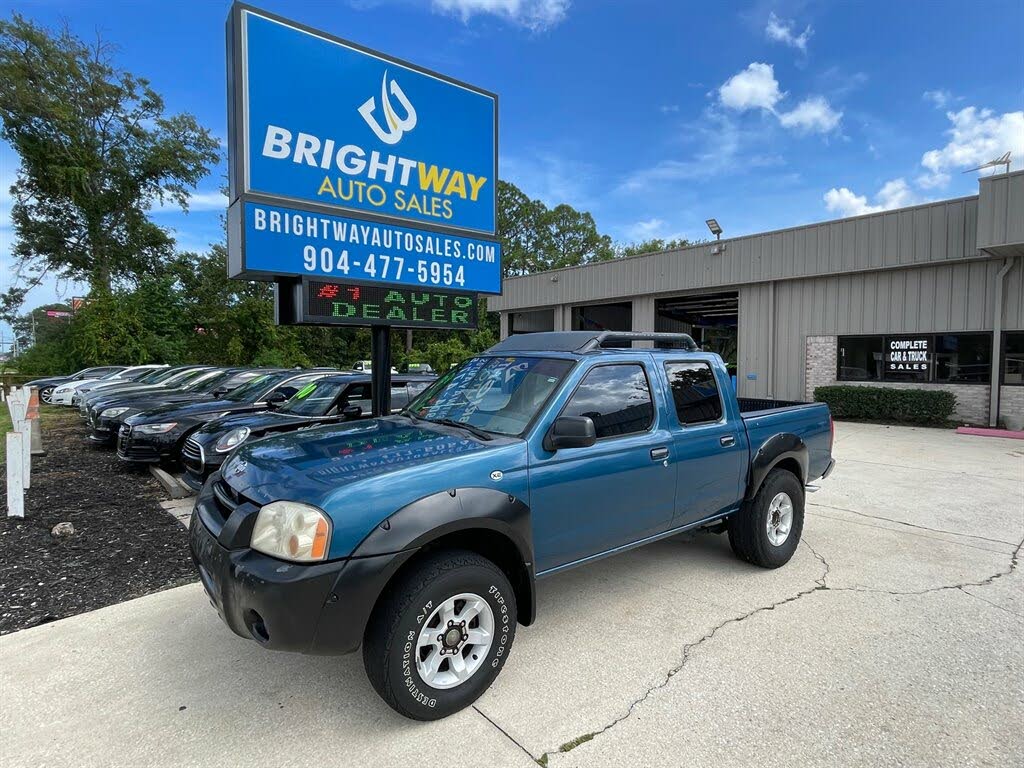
314, 399
164, 374
207, 382
183, 377
495, 394
251, 390
142, 375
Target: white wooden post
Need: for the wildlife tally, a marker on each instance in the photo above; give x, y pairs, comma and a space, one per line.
15, 488
18, 406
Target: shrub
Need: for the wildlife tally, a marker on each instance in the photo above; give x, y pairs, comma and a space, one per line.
899, 406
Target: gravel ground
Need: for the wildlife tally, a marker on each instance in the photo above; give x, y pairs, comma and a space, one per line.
124, 544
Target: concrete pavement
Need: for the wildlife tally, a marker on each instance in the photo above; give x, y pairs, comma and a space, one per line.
894, 637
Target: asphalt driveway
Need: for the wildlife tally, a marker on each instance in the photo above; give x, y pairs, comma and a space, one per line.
894, 637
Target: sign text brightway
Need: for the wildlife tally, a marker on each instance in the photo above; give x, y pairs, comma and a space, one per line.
330, 123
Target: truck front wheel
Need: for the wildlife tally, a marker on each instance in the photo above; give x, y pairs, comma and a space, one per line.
440, 635
766, 530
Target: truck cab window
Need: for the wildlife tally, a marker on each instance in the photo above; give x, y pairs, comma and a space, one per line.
694, 392
617, 398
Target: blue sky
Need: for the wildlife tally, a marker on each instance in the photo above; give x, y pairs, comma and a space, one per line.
652, 115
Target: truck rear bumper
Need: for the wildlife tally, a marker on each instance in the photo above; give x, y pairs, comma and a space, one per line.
829, 468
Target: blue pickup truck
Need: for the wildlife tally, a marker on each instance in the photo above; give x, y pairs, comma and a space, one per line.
419, 536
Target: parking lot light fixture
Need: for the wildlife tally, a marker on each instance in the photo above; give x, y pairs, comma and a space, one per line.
715, 227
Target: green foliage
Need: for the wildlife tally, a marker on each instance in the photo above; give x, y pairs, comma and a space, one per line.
97, 152
653, 245
899, 406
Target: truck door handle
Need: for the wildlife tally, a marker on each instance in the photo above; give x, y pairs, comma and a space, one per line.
659, 454
727, 440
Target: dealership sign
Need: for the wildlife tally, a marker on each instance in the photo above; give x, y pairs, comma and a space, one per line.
908, 355
355, 156
326, 302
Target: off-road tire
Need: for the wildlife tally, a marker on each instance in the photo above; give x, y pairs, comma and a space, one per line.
389, 645
748, 528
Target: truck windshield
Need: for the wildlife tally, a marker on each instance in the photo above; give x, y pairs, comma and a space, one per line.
495, 394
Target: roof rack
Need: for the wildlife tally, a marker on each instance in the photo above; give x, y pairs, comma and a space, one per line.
586, 341
607, 338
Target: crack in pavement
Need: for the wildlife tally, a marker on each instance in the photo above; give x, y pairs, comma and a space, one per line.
505, 733
820, 585
909, 525
847, 460
994, 605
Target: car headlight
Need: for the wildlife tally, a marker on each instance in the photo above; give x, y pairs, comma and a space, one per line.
292, 531
232, 440
155, 429
112, 412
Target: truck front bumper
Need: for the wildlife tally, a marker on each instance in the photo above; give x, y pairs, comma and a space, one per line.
319, 608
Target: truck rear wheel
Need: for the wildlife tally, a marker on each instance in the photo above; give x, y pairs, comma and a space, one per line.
440, 635
766, 531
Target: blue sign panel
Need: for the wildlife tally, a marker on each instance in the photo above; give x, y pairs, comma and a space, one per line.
286, 241
326, 122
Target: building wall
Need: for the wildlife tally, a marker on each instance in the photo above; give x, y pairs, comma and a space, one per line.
1011, 406
940, 232
952, 297
821, 363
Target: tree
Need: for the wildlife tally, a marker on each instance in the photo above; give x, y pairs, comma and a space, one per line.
535, 238
97, 152
652, 246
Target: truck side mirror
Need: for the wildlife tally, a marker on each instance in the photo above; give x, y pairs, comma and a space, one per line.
351, 412
571, 432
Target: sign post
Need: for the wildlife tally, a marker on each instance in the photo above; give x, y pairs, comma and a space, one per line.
364, 186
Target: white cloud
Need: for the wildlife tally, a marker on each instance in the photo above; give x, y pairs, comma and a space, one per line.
812, 115
753, 88
782, 32
893, 194
976, 137
532, 14
939, 98
669, 109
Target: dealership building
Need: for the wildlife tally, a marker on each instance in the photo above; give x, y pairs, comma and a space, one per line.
928, 297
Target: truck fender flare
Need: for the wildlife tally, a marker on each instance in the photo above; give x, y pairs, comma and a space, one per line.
776, 449
458, 511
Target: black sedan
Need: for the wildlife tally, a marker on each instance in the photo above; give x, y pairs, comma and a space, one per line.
341, 397
206, 386
105, 415
168, 378
157, 435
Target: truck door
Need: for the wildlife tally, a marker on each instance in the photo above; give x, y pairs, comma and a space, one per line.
586, 501
710, 449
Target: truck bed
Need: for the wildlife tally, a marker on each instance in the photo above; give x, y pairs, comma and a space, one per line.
811, 422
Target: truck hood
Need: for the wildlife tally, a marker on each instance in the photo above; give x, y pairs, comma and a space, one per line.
361, 472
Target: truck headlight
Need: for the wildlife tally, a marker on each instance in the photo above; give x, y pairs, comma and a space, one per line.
112, 412
232, 440
292, 531
155, 429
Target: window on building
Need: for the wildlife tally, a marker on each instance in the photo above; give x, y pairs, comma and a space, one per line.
963, 358
954, 358
907, 358
860, 358
616, 397
694, 392
1013, 358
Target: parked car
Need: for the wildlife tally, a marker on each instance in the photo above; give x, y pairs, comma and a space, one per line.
419, 536
66, 393
103, 407
157, 434
207, 386
344, 397
47, 385
420, 368
168, 378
